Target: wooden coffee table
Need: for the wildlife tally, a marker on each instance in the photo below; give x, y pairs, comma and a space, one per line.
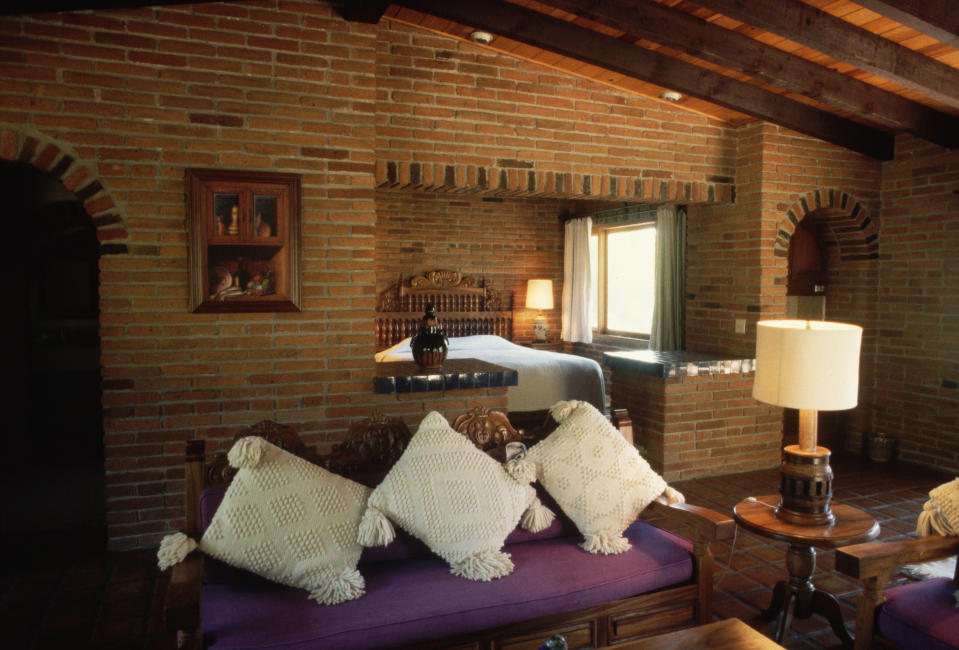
797, 597
729, 634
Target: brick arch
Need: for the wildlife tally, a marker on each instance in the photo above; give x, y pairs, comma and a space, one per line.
855, 232
62, 163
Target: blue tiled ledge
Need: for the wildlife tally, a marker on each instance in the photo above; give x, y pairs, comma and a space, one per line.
676, 363
456, 374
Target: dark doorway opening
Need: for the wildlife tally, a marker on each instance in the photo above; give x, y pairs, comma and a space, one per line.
53, 468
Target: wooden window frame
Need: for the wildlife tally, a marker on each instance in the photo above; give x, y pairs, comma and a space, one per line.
602, 266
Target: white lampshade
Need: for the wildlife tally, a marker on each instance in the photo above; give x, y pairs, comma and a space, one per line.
539, 294
811, 365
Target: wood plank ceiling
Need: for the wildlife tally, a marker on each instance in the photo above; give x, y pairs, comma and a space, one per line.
850, 73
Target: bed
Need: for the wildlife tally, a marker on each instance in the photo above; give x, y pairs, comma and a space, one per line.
479, 323
544, 377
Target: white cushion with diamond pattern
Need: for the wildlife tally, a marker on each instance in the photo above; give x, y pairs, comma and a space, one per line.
455, 498
597, 478
290, 521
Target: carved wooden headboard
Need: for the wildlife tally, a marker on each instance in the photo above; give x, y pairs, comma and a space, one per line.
464, 306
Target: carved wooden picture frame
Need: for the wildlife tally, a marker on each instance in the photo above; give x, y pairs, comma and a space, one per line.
244, 240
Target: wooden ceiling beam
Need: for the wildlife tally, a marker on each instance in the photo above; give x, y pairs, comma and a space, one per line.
936, 18
613, 54
825, 33
365, 11
696, 37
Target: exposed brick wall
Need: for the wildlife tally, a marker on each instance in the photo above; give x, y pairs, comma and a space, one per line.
723, 247
444, 102
700, 426
737, 255
917, 366
805, 176
737, 264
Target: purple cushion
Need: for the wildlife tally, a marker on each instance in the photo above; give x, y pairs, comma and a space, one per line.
921, 615
419, 599
210, 500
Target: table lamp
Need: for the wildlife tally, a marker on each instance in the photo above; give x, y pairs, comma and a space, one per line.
811, 366
539, 295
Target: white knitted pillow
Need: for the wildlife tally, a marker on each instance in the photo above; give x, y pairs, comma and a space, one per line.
597, 478
287, 520
456, 499
940, 513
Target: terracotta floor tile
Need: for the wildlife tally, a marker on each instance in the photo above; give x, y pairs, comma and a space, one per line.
733, 608
736, 583
122, 630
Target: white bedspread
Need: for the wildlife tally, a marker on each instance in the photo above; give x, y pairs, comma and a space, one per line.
544, 377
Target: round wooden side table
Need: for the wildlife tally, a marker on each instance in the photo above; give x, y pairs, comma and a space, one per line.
797, 597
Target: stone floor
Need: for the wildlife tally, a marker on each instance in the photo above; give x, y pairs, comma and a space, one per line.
114, 601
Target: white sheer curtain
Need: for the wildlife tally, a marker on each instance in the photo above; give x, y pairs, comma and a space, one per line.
667, 328
576, 281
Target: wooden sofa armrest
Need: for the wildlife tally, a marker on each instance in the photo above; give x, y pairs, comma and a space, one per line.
874, 558
706, 524
701, 526
181, 608
873, 562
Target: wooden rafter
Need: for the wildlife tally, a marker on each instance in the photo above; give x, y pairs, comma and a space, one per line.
825, 33
936, 18
616, 55
696, 37
365, 11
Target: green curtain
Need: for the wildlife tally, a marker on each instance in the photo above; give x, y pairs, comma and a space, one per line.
670, 280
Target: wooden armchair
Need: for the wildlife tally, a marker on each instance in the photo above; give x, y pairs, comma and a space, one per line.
873, 563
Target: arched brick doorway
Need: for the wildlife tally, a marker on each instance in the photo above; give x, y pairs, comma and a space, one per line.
57, 214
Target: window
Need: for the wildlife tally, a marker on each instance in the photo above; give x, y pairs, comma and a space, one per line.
622, 269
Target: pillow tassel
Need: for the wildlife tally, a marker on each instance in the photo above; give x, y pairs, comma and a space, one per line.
339, 588
375, 528
483, 566
173, 550
673, 496
932, 521
562, 410
924, 523
537, 517
605, 544
521, 469
246, 452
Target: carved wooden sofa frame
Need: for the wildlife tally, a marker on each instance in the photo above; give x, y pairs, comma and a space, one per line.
374, 445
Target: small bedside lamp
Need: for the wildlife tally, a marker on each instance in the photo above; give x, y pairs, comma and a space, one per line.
539, 295
811, 366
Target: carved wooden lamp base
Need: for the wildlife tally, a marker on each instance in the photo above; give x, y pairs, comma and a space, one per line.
806, 487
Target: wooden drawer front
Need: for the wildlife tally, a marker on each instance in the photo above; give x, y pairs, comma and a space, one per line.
579, 636
629, 626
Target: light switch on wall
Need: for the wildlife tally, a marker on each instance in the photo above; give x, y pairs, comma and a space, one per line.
740, 325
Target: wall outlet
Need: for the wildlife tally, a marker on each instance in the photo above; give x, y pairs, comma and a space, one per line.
740, 325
